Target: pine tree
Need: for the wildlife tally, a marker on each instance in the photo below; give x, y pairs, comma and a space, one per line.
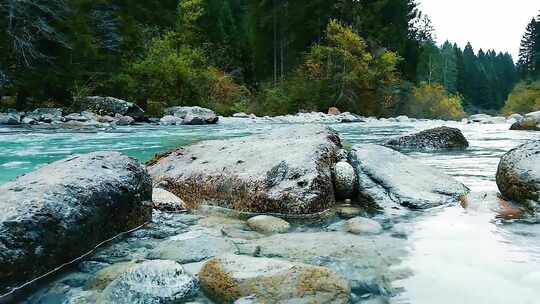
529, 50
449, 68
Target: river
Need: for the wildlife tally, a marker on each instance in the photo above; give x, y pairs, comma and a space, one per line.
455, 254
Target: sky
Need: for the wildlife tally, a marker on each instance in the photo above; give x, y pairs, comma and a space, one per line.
487, 24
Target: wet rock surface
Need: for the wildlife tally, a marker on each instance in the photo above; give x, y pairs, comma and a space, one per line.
530, 122
288, 170
518, 174
232, 277
111, 106
268, 224
151, 282
189, 116
433, 139
389, 179
62, 210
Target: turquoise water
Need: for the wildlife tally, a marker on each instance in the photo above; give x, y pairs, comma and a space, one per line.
455, 255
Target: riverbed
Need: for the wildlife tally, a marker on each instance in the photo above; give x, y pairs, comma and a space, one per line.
452, 254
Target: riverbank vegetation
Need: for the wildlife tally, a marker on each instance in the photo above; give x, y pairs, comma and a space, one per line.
526, 95
374, 57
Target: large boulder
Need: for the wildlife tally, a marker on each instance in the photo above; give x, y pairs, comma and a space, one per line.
287, 170
389, 179
64, 209
10, 119
112, 106
530, 122
518, 175
151, 282
433, 139
231, 277
193, 115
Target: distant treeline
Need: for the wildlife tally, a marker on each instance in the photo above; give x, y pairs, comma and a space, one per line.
373, 57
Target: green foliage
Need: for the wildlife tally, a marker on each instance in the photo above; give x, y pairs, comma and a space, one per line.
432, 101
342, 72
524, 98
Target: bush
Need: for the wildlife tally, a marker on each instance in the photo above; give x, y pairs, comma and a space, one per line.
525, 98
434, 102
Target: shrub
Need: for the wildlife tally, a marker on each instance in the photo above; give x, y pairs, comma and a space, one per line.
524, 98
434, 102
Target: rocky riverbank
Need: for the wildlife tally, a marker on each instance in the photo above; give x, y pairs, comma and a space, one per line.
325, 227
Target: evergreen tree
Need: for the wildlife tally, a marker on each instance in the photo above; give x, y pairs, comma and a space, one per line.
449, 67
529, 50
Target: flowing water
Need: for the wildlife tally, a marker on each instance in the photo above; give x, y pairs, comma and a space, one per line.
455, 254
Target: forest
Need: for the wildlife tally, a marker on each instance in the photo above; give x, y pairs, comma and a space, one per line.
370, 57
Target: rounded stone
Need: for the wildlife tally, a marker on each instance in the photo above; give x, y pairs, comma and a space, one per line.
151, 282
362, 225
345, 180
268, 224
518, 174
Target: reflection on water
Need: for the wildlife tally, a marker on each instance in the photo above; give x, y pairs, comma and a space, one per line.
456, 255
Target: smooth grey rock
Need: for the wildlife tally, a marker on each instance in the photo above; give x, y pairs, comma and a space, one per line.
241, 115
9, 119
433, 139
364, 260
28, 121
268, 224
111, 106
344, 180
121, 120
165, 201
193, 115
62, 210
76, 117
170, 120
191, 248
480, 118
287, 170
151, 282
389, 179
228, 278
518, 174
362, 225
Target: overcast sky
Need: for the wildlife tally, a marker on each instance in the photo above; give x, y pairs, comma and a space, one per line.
487, 24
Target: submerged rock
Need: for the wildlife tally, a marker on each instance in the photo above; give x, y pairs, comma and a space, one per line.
151, 282
268, 224
192, 115
111, 106
288, 170
389, 179
362, 225
364, 260
232, 277
432, 139
62, 210
518, 175
191, 248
